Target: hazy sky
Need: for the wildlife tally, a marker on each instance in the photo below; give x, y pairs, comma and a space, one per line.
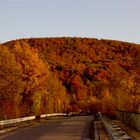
108, 19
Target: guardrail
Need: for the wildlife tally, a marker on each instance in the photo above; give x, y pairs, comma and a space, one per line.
113, 130
130, 118
10, 122
54, 114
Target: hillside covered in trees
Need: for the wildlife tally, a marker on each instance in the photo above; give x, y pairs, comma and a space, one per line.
45, 75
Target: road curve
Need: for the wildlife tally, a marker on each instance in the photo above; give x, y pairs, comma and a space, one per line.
70, 128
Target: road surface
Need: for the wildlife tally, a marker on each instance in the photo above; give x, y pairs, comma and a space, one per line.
68, 128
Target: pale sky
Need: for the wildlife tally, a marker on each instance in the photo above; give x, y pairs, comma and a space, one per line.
106, 19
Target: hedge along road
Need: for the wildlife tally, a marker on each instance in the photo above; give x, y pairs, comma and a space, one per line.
68, 128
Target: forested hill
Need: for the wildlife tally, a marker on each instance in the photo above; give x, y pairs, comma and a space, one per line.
42, 75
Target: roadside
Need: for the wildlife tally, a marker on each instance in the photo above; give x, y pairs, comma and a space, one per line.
19, 125
132, 132
12, 128
99, 131
75, 128
16, 126
101, 134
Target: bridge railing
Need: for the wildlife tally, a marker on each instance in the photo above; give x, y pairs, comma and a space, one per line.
130, 118
113, 130
6, 123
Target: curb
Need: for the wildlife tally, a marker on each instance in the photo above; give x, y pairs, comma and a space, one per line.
7, 130
13, 128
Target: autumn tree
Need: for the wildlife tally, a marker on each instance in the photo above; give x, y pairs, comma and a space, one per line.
92, 73
57, 97
11, 84
34, 74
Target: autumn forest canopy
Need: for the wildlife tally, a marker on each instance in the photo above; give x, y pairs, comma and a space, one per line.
46, 75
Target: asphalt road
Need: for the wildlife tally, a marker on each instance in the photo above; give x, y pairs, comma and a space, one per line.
68, 128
